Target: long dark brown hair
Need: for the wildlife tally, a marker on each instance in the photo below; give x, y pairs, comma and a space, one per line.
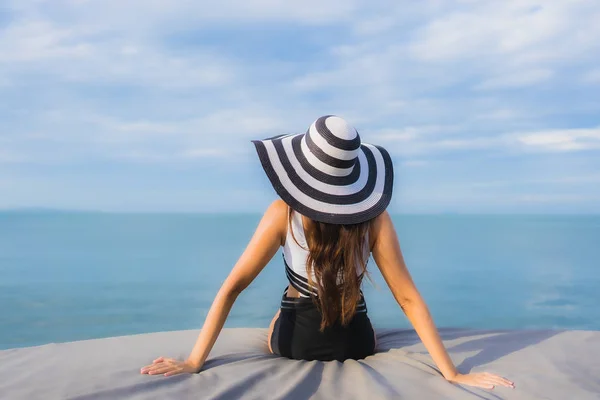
334, 251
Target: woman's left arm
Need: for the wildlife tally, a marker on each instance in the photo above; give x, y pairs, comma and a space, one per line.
265, 242
389, 259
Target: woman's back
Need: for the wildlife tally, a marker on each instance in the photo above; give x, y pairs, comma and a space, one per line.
298, 329
296, 252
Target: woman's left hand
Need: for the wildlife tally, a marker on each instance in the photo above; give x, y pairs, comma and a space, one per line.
169, 367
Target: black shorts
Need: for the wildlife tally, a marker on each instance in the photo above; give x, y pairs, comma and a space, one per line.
296, 333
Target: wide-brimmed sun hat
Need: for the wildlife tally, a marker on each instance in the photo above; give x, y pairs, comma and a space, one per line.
327, 174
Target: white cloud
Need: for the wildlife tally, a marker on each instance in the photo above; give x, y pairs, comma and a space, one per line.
37, 40
245, 122
516, 79
549, 181
176, 156
205, 152
12, 157
82, 54
542, 140
143, 156
517, 30
471, 143
446, 196
555, 198
439, 139
411, 147
371, 26
502, 114
395, 135
411, 132
416, 163
95, 136
592, 76
146, 127
142, 13
563, 140
570, 180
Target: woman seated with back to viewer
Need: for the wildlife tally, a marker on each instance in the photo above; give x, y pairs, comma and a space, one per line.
331, 216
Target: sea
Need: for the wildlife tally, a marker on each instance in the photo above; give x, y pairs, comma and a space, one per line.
67, 276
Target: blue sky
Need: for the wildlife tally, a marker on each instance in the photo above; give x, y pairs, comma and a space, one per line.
485, 106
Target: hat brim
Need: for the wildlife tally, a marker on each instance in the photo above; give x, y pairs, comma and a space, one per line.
350, 199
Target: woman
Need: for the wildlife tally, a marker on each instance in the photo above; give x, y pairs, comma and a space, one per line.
334, 191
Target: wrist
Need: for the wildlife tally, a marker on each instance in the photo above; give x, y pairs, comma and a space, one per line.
197, 364
451, 376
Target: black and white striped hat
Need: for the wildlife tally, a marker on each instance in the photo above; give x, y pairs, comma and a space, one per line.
327, 174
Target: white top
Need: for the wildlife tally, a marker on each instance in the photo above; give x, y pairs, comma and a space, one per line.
296, 254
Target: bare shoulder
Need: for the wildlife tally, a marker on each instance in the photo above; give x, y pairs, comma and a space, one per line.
380, 220
276, 215
278, 208
379, 225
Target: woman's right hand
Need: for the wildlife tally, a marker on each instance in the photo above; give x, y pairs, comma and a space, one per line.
484, 380
170, 367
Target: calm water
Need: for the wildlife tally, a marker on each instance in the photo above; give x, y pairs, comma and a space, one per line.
67, 277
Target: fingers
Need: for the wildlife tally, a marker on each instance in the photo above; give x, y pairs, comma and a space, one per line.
160, 368
484, 380
497, 380
146, 368
162, 365
164, 369
164, 359
158, 361
154, 366
489, 381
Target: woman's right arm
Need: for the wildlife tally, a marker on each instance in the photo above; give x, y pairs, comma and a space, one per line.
265, 242
388, 257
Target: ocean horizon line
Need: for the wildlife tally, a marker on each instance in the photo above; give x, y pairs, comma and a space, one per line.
44, 210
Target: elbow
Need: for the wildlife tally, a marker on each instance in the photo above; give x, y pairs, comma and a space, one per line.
411, 303
405, 303
233, 289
